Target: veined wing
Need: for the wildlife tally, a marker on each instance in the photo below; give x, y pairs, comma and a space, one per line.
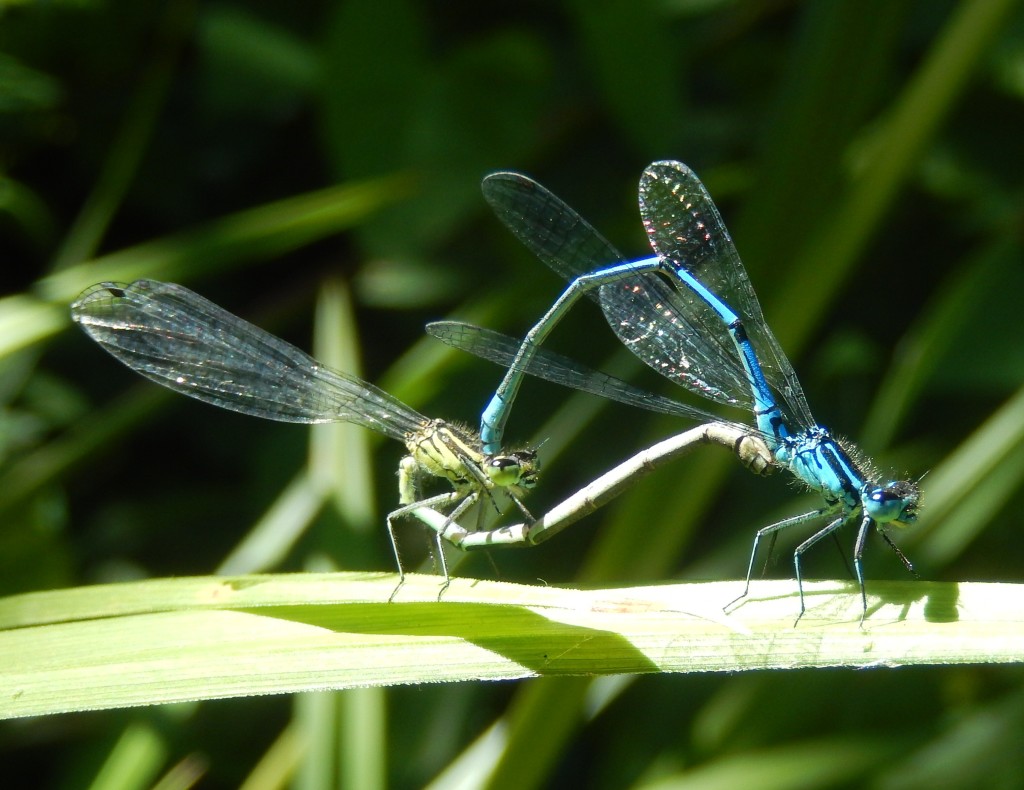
651, 315
685, 228
558, 369
185, 342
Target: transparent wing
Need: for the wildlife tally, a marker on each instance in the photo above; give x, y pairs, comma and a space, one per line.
178, 339
657, 320
558, 369
684, 227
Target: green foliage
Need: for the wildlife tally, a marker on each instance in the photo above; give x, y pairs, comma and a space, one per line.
279, 157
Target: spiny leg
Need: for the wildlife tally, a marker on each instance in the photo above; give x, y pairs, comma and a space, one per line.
824, 532
773, 530
467, 502
409, 474
442, 501
899, 553
858, 550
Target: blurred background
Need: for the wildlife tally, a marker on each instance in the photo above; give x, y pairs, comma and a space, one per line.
315, 168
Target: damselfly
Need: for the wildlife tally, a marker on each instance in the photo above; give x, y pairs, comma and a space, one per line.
185, 342
690, 313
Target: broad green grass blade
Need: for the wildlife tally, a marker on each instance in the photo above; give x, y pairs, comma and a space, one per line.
161, 641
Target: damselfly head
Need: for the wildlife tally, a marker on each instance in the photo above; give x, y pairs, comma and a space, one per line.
516, 468
894, 503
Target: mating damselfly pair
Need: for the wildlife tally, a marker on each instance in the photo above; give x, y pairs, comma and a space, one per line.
689, 312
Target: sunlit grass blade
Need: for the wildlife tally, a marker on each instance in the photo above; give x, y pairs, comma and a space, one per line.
163, 641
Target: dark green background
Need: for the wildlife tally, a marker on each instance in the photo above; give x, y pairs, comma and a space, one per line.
866, 156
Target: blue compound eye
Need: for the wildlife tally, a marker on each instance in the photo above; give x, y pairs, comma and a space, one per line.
894, 503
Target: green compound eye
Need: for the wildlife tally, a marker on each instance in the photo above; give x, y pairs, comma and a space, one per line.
517, 468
